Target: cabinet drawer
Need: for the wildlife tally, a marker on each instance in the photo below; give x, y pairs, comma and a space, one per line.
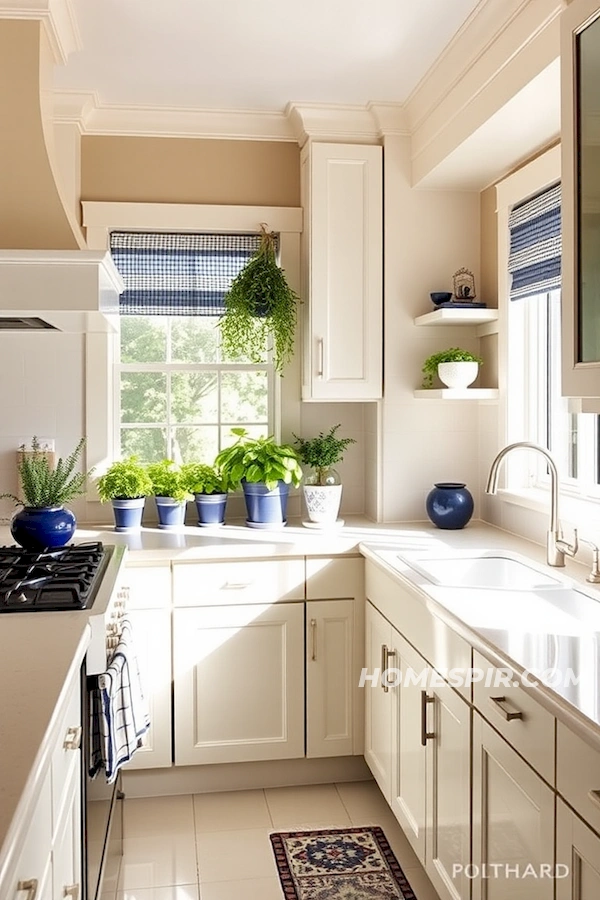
35, 858
66, 756
335, 578
235, 583
578, 774
437, 642
149, 586
526, 725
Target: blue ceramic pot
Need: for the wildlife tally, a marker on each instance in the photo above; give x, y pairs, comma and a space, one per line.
36, 528
171, 513
265, 507
128, 513
211, 509
449, 505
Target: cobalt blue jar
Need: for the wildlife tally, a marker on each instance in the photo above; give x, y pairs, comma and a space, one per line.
38, 527
449, 504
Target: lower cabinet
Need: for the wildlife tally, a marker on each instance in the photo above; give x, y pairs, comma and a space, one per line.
513, 822
66, 851
238, 683
417, 744
577, 857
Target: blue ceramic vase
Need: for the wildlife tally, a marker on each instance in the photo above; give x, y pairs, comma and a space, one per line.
36, 528
266, 508
449, 505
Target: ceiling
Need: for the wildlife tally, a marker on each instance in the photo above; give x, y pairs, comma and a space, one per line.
256, 54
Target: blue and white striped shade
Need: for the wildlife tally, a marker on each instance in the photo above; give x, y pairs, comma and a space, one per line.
535, 245
178, 274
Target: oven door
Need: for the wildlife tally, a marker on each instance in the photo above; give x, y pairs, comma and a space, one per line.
102, 817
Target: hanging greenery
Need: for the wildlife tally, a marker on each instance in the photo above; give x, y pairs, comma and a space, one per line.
260, 304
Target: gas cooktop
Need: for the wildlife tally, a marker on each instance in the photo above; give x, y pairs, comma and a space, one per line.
51, 579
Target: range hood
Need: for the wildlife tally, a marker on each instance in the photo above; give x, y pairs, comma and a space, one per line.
65, 290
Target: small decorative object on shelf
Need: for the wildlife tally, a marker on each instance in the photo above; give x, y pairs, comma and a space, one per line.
454, 367
449, 504
438, 297
464, 285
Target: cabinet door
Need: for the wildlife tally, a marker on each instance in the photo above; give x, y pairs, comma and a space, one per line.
577, 857
34, 865
513, 821
448, 838
152, 631
378, 701
330, 678
408, 752
238, 683
66, 849
342, 197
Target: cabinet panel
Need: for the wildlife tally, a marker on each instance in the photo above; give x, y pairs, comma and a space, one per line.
152, 629
238, 694
333, 578
35, 859
330, 678
578, 783
234, 583
378, 703
533, 733
342, 196
577, 857
149, 586
66, 758
66, 849
513, 821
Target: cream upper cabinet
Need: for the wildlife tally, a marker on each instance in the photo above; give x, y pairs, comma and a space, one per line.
580, 58
513, 822
342, 197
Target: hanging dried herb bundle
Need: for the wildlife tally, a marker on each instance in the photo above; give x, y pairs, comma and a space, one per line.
259, 304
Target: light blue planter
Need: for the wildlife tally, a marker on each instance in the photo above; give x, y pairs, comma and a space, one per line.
171, 513
128, 513
265, 508
211, 509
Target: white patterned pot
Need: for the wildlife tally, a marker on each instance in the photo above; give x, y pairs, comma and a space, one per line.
322, 501
457, 374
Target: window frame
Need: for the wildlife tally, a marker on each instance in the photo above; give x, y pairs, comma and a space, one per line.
101, 348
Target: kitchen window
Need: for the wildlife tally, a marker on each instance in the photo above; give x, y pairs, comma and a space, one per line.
177, 394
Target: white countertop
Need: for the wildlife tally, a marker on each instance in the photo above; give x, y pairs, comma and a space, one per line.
41, 651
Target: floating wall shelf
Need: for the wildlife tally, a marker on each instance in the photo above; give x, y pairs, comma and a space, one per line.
485, 319
457, 394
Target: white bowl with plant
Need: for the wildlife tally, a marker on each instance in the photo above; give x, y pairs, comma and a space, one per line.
322, 485
456, 368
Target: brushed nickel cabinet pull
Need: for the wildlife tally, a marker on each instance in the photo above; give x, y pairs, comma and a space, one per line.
313, 637
71, 890
321, 358
499, 704
425, 735
31, 886
72, 739
384, 653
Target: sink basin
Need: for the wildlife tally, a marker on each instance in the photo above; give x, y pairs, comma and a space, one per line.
480, 570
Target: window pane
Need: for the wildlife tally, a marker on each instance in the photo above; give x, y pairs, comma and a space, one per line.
143, 397
143, 339
149, 444
194, 397
195, 444
194, 339
244, 397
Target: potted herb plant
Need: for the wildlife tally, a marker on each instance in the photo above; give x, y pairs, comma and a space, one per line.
44, 521
260, 304
170, 493
265, 470
322, 487
454, 367
126, 483
209, 487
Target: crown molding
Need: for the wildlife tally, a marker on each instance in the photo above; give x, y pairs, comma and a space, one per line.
58, 17
390, 118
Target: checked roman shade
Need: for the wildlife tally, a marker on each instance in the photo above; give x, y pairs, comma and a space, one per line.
535, 245
178, 274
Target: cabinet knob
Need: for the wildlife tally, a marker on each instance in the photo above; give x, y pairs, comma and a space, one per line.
72, 739
31, 886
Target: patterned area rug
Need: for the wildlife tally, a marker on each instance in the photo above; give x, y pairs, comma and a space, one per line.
339, 864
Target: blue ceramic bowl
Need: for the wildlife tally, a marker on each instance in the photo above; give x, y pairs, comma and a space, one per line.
440, 296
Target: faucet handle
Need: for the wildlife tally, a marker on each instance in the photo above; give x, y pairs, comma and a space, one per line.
594, 575
565, 547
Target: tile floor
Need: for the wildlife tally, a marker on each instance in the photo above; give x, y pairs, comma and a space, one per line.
216, 846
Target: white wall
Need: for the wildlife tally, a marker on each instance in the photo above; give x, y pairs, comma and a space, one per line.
428, 236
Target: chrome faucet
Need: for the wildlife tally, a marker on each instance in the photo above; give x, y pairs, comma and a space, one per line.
556, 547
